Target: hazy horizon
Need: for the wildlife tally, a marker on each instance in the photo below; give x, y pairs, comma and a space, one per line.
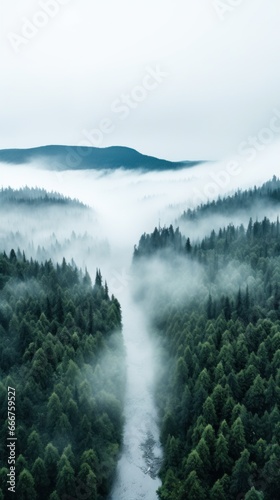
215, 67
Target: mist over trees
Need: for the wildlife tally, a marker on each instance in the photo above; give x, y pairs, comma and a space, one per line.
62, 349
236, 209
214, 306
268, 195
48, 225
218, 391
36, 197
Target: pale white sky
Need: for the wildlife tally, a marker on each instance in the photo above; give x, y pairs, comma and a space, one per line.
170, 78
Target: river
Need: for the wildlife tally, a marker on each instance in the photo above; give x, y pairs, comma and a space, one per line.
136, 476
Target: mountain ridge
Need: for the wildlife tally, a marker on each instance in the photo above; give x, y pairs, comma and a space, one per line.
59, 157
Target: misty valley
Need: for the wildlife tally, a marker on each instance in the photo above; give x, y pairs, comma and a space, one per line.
140, 333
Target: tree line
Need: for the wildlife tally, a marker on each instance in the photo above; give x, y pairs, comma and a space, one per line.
33, 197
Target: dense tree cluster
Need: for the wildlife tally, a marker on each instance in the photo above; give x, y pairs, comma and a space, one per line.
61, 349
161, 239
260, 239
219, 393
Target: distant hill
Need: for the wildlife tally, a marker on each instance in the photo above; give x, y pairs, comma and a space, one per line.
84, 158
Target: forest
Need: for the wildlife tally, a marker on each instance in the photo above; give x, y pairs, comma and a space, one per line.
214, 307
36, 197
218, 391
48, 225
268, 195
62, 350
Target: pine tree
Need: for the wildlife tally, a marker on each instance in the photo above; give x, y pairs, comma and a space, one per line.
40, 477
65, 483
204, 453
54, 411
256, 396
209, 412
193, 489
25, 487
253, 494
34, 446
21, 464
241, 474
237, 438
217, 492
221, 457
51, 458
194, 464
188, 246
87, 482
98, 278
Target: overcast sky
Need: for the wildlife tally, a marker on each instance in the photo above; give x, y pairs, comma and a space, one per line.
179, 79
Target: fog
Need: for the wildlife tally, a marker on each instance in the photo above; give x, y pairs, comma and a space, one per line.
123, 205
127, 203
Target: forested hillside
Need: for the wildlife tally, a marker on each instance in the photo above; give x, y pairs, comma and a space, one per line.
49, 225
266, 196
35, 197
61, 350
216, 311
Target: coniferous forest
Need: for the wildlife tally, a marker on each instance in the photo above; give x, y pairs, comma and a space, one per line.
140, 250
218, 391
61, 348
214, 308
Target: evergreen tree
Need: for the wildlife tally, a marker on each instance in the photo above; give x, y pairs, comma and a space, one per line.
39, 474
217, 492
241, 474
25, 487
253, 494
221, 456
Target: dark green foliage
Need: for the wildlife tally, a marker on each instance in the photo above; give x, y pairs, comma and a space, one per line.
63, 353
220, 395
26, 486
